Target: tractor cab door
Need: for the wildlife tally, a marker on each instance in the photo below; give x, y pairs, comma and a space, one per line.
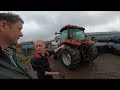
64, 35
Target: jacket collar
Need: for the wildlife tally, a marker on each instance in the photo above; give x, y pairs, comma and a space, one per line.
37, 55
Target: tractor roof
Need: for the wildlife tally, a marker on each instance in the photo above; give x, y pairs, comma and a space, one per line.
72, 27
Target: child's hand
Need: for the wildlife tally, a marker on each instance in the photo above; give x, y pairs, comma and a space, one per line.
62, 46
56, 73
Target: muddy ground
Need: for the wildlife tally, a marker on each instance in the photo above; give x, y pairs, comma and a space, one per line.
106, 66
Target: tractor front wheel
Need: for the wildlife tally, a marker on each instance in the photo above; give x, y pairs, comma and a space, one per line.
71, 57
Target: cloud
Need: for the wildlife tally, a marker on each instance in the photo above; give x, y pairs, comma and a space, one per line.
44, 24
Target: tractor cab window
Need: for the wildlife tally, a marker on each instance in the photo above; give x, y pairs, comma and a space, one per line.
77, 34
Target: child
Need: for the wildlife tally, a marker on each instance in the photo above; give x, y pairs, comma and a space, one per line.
40, 62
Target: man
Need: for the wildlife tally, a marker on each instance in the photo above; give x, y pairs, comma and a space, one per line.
10, 32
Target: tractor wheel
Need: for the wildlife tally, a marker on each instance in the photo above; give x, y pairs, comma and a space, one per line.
93, 53
71, 58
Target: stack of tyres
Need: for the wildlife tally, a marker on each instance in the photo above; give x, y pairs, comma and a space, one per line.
101, 47
103, 38
108, 44
116, 49
116, 39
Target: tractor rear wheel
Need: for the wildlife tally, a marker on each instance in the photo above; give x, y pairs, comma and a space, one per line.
93, 53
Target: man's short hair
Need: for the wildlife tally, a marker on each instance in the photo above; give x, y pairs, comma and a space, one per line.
10, 17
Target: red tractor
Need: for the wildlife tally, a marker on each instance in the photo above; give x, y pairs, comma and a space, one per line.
78, 47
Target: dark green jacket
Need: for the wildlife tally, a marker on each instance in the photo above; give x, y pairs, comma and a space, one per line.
9, 71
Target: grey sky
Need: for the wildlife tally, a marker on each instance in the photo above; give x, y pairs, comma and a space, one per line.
44, 24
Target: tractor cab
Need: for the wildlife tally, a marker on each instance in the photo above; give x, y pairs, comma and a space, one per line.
72, 32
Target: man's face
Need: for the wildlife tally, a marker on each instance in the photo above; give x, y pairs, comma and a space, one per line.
40, 47
12, 32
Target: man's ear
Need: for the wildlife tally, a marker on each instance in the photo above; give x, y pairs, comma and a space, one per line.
3, 26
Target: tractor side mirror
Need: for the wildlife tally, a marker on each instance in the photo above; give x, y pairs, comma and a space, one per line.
57, 33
